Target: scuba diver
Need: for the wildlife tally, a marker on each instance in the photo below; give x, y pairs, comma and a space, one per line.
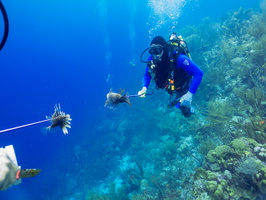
6, 25
172, 69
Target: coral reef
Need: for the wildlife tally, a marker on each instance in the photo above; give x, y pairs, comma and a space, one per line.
217, 154
234, 171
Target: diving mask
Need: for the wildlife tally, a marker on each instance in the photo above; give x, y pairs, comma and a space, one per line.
156, 49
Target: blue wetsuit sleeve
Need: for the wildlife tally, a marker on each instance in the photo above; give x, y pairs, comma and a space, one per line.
190, 67
146, 78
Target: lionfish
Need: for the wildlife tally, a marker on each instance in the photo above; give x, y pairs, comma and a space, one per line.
59, 118
114, 99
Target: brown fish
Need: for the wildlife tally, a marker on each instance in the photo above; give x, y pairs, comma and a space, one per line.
114, 99
59, 118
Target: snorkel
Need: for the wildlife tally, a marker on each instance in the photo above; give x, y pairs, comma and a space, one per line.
6, 25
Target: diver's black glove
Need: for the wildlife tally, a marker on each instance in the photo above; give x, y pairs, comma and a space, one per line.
187, 110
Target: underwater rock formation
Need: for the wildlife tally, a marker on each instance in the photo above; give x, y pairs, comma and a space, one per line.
234, 171
228, 129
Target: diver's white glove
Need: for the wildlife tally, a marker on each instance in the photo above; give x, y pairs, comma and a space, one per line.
8, 167
142, 92
186, 99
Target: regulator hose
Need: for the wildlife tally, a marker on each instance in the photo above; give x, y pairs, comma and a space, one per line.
6, 25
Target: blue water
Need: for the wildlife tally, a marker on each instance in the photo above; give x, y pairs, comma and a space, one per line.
62, 52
